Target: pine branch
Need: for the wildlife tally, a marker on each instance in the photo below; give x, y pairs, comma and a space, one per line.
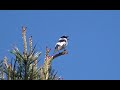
24, 41
24, 66
48, 61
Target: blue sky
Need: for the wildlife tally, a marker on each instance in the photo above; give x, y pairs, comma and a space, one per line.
94, 45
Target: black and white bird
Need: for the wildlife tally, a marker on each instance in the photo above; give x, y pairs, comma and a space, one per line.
61, 44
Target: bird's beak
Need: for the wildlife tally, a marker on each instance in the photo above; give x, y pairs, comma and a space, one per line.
67, 38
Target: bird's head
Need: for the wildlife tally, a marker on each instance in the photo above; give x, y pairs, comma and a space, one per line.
65, 37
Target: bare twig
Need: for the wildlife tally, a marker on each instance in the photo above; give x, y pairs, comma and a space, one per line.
59, 54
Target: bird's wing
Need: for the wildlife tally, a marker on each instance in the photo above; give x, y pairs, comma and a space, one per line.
62, 40
56, 46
